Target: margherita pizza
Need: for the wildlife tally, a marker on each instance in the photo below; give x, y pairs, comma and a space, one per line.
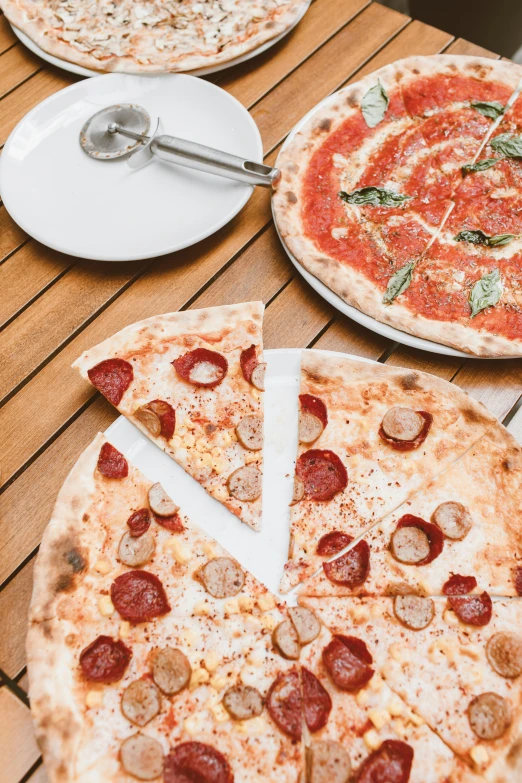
192, 382
146, 37
400, 194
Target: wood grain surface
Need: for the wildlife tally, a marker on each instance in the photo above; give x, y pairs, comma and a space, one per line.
55, 306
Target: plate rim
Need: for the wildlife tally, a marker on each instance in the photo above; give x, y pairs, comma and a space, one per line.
247, 189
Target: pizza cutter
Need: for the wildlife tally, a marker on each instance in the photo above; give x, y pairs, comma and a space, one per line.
121, 131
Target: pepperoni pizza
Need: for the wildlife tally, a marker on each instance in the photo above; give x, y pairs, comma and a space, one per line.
400, 193
192, 382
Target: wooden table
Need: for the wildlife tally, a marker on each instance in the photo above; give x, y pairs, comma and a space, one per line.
53, 306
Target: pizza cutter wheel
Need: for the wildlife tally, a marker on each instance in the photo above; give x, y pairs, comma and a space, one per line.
122, 130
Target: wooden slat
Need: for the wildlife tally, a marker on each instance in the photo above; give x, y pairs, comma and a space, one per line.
345, 336
14, 607
16, 66
18, 749
11, 236
497, 384
7, 37
330, 67
461, 46
26, 274
515, 425
251, 80
40, 776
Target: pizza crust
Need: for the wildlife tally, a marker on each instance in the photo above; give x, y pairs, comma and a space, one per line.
351, 285
29, 17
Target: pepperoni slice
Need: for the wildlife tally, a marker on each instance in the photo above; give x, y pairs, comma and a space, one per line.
112, 377
352, 568
314, 406
105, 660
409, 445
322, 473
313, 418
472, 609
173, 523
111, 462
391, 763
202, 367
317, 703
333, 542
433, 533
518, 580
347, 660
139, 522
198, 763
459, 585
248, 361
139, 596
284, 703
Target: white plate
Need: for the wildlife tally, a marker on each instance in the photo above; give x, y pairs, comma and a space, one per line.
263, 554
352, 312
104, 210
81, 71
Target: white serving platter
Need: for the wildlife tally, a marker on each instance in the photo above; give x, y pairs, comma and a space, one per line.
104, 210
81, 71
263, 554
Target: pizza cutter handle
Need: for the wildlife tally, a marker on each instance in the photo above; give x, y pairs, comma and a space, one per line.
198, 156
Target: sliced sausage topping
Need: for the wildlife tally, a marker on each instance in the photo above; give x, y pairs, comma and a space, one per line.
313, 418
142, 757
136, 551
305, 623
459, 585
111, 462
415, 541
352, 568
105, 660
139, 596
202, 367
257, 378
317, 703
347, 661
112, 377
243, 702
249, 432
322, 473
195, 762
327, 762
248, 361
140, 702
298, 492
245, 483
472, 609
391, 763
284, 703
171, 670
453, 519
504, 651
222, 577
158, 417
414, 611
405, 422
160, 503
333, 542
286, 641
489, 716
139, 522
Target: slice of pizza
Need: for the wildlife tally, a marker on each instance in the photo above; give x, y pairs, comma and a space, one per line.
370, 436
456, 662
367, 732
192, 382
132, 675
462, 531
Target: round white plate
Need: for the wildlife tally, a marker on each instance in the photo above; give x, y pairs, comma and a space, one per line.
352, 312
263, 554
81, 71
104, 210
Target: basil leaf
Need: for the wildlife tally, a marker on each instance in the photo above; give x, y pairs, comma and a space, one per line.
376, 197
399, 282
480, 165
486, 292
374, 105
491, 109
480, 238
507, 145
